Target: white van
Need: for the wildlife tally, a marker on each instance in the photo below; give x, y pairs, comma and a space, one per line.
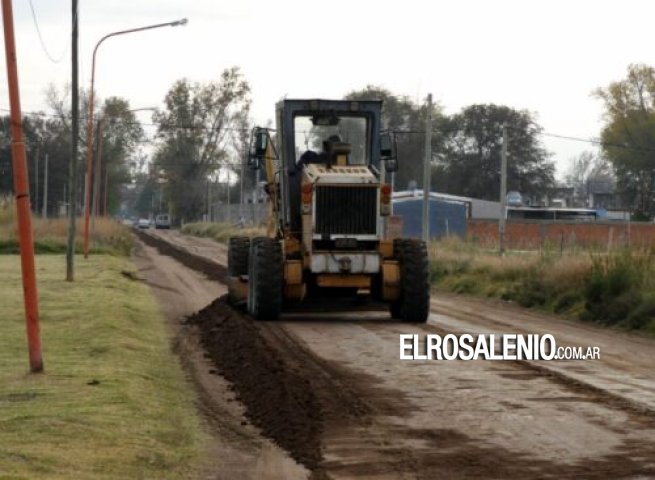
162, 221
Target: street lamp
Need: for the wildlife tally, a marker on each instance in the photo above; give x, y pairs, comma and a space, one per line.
89, 132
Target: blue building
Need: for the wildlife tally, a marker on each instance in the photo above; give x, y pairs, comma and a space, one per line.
447, 216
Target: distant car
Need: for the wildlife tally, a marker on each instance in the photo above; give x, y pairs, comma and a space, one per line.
162, 221
143, 223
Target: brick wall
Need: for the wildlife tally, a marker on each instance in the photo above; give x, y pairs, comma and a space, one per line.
533, 234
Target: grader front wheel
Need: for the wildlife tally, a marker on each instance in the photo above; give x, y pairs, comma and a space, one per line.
413, 306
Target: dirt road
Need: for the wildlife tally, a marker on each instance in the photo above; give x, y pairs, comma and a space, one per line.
384, 418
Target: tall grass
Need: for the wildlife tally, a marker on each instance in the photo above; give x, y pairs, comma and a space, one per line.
619, 290
50, 235
612, 289
7, 211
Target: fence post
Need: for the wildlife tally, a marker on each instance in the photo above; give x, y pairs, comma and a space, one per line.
561, 244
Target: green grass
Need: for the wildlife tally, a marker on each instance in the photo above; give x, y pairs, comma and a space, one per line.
220, 232
612, 290
113, 402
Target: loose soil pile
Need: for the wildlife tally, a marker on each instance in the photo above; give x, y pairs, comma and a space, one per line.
278, 399
288, 392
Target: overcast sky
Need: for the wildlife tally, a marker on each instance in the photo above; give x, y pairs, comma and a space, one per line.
543, 56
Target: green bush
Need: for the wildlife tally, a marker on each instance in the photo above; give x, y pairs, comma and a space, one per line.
643, 316
531, 292
613, 289
466, 284
565, 301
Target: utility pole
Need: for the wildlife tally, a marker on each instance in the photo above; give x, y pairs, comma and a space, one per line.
426, 171
36, 177
72, 163
45, 189
106, 192
241, 172
503, 193
22, 191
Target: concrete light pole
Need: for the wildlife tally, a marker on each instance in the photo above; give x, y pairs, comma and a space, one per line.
426, 171
503, 194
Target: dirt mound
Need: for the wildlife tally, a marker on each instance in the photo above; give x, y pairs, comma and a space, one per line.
278, 398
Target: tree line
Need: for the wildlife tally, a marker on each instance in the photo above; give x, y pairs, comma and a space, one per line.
202, 132
48, 144
205, 128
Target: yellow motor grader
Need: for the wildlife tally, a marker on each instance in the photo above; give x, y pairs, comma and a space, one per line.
325, 166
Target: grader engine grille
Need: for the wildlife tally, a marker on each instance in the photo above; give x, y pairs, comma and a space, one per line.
350, 210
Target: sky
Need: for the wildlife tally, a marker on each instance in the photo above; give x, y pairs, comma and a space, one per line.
546, 57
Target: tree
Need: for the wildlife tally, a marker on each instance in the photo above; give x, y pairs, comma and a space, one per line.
401, 115
195, 131
472, 158
587, 172
49, 134
628, 135
43, 136
121, 135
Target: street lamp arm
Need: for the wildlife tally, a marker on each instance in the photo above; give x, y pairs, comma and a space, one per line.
176, 23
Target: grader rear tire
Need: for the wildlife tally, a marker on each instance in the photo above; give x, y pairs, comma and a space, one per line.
237, 256
396, 306
413, 306
265, 279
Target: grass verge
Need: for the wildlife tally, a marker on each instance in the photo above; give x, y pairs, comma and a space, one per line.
613, 290
113, 402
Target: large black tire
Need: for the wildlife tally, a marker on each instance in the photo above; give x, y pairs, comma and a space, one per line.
414, 303
396, 306
265, 278
238, 249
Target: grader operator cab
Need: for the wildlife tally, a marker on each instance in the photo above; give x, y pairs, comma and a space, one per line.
325, 167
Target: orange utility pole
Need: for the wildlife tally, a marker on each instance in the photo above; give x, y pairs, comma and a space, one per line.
22, 189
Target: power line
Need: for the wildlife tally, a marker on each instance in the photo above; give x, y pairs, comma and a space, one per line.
143, 124
38, 31
590, 141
